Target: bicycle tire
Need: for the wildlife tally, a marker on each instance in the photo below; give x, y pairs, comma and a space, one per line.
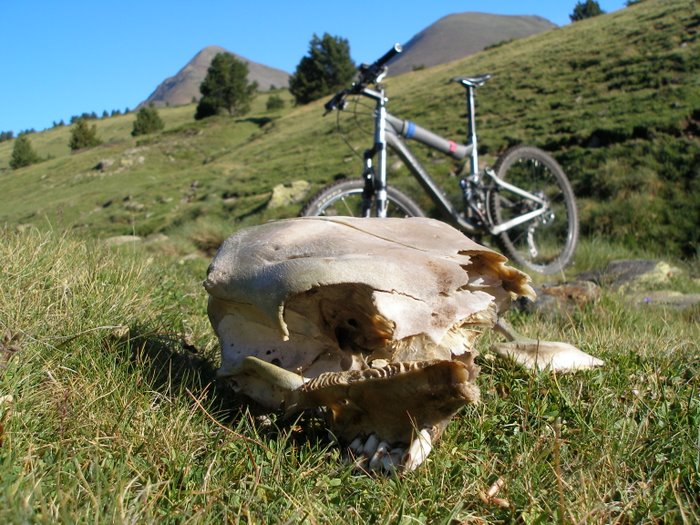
546, 243
344, 198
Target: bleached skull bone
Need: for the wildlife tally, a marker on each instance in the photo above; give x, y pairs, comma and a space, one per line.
374, 319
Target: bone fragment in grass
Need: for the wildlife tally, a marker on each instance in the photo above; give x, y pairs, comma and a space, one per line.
495, 488
546, 355
490, 497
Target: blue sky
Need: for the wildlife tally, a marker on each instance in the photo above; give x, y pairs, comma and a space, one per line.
66, 57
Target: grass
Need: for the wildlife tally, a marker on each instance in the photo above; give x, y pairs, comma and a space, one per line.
110, 413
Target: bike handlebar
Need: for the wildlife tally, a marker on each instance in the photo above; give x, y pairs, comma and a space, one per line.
369, 74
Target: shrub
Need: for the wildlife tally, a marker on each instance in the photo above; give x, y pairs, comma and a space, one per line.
83, 136
23, 154
147, 121
274, 102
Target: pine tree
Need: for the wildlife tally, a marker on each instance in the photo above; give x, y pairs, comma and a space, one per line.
326, 69
23, 154
147, 121
587, 9
83, 136
226, 87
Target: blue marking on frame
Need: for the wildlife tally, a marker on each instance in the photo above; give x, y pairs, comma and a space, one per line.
410, 130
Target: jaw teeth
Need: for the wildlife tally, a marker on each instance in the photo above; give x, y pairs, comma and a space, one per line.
370, 446
378, 456
356, 446
377, 460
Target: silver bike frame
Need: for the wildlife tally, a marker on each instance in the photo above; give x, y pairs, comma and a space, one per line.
389, 130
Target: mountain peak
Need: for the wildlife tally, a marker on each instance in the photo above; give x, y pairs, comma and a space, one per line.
457, 35
183, 87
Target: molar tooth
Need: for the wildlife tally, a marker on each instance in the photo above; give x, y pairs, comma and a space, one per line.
379, 363
370, 445
382, 451
418, 451
356, 446
388, 465
392, 460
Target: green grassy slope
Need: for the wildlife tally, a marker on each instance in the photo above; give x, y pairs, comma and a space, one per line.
109, 413
615, 98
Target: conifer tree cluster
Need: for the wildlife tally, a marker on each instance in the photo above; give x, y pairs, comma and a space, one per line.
587, 9
326, 69
226, 87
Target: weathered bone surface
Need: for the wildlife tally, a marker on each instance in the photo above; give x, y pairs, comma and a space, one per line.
374, 319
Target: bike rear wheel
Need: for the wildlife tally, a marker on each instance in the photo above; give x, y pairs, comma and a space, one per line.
546, 243
344, 198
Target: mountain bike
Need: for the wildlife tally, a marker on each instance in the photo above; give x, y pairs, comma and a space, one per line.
525, 202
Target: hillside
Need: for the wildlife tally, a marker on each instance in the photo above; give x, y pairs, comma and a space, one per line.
459, 35
623, 118
183, 87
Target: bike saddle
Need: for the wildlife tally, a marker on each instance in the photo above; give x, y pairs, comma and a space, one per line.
476, 81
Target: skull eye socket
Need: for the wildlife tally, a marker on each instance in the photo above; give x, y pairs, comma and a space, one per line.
345, 338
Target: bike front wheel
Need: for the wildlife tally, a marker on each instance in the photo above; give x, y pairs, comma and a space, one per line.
546, 243
345, 198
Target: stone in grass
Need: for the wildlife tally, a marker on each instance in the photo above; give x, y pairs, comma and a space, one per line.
286, 194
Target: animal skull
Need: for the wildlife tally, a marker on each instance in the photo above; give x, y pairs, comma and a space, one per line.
374, 319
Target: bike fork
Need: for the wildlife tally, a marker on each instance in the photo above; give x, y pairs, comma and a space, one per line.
368, 191
375, 188
379, 150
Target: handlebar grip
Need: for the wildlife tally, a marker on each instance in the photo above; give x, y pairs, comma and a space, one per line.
331, 104
387, 56
337, 102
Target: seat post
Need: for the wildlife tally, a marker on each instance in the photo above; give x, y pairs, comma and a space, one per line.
471, 133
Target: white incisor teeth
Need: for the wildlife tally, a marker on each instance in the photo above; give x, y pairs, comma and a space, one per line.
356, 446
370, 446
418, 451
376, 462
